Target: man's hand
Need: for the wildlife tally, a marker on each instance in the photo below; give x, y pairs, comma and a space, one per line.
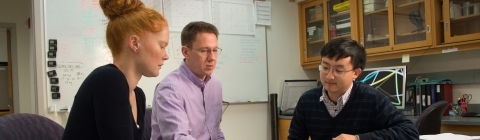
345, 137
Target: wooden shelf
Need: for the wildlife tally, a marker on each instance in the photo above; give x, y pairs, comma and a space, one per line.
340, 14
463, 18
316, 20
409, 4
316, 41
341, 36
378, 39
409, 34
385, 11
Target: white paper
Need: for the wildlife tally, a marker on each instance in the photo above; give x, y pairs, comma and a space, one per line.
233, 17
263, 12
181, 12
154, 4
448, 136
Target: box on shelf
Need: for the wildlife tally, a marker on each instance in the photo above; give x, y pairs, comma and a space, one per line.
314, 34
372, 7
319, 12
455, 10
311, 14
341, 6
374, 1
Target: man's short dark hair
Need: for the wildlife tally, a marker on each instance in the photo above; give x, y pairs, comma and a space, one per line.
337, 49
189, 32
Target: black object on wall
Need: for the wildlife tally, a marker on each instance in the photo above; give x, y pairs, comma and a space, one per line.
274, 115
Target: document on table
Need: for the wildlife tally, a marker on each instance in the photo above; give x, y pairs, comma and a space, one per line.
448, 136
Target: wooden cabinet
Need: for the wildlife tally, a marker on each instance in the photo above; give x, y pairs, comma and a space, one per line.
321, 21
389, 28
389, 25
312, 26
283, 126
461, 20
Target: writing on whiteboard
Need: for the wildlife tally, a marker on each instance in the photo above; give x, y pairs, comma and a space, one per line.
70, 72
248, 50
69, 50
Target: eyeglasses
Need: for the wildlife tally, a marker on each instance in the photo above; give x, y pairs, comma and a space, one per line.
335, 72
208, 51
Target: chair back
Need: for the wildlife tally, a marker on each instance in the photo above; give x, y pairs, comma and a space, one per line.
147, 131
430, 120
24, 126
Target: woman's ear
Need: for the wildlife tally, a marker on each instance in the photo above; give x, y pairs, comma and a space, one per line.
133, 42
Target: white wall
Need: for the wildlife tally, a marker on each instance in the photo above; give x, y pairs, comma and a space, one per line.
3, 45
18, 11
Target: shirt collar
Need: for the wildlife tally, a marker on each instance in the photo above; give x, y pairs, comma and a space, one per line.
344, 97
192, 77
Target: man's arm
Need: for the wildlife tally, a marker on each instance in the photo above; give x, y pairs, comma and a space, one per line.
171, 115
298, 128
395, 125
220, 134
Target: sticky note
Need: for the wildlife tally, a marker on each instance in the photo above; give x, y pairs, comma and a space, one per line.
405, 58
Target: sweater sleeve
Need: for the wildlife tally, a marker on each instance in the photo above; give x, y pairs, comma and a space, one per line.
112, 107
298, 127
394, 125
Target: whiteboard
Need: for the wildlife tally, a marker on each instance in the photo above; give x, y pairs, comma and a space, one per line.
79, 28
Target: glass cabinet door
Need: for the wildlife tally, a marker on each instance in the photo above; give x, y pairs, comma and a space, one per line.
461, 20
374, 25
339, 24
411, 23
314, 22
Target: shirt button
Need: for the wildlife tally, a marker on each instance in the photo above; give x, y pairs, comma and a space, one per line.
210, 131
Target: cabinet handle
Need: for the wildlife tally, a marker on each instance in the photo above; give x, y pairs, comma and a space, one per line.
446, 26
305, 50
361, 41
428, 28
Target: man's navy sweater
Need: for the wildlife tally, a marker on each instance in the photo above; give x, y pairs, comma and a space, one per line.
368, 113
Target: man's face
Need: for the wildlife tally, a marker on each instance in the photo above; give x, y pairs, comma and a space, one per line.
337, 76
202, 55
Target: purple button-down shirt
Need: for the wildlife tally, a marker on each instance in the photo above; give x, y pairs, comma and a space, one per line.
186, 108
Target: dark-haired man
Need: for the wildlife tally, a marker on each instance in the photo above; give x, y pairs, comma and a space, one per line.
187, 103
342, 109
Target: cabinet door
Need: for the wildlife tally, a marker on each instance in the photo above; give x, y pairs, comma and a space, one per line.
411, 23
374, 27
342, 19
461, 20
312, 34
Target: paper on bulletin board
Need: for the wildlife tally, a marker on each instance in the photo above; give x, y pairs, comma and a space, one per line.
234, 17
181, 12
154, 4
263, 11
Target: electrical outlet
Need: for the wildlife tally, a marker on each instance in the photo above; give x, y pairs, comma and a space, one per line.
423, 79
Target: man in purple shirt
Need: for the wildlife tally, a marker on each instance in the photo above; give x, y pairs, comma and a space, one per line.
187, 103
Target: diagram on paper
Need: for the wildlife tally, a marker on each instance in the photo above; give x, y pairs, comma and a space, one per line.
154, 4
234, 18
181, 12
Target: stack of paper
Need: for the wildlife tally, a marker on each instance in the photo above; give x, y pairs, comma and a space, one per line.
448, 136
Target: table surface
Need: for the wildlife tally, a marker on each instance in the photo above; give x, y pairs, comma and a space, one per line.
447, 120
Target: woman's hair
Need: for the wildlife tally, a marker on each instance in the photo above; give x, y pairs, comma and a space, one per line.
127, 17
